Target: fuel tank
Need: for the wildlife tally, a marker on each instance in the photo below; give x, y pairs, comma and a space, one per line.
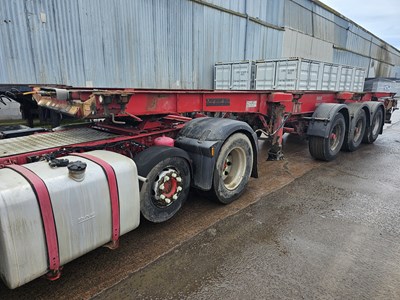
81, 206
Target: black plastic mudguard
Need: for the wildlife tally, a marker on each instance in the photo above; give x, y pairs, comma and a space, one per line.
320, 122
200, 135
148, 158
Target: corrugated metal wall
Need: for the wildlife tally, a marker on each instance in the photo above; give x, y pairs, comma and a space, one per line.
174, 43
269, 11
298, 44
317, 32
348, 58
141, 43
298, 16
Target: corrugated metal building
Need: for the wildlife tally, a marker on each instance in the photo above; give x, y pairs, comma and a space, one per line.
174, 43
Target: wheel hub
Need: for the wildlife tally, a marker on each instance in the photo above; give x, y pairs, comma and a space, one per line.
168, 187
233, 168
335, 137
227, 166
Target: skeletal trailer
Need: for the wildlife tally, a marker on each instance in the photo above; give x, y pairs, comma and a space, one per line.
177, 139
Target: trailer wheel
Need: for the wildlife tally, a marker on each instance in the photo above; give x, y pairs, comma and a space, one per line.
232, 169
372, 133
166, 189
357, 134
328, 148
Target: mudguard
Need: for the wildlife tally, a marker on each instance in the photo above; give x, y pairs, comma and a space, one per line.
200, 135
147, 159
320, 122
354, 108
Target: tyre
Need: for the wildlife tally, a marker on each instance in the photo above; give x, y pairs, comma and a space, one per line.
166, 189
356, 134
328, 148
232, 169
371, 134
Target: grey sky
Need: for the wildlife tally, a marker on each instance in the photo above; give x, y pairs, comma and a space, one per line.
382, 17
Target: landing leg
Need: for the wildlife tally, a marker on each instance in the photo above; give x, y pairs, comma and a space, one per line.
275, 153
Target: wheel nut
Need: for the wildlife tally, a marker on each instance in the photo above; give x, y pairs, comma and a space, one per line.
179, 188
166, 178
167, 200
174, 175
161, 187
174, 197
162, 197
179, 179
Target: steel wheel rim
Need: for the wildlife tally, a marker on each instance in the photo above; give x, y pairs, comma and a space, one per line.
233, 168
335, 137
167, 187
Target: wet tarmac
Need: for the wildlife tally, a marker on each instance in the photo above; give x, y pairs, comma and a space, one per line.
304, 229
333, 233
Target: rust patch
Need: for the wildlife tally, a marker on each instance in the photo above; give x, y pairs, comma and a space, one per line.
153, 100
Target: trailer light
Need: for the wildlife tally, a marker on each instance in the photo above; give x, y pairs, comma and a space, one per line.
212, 151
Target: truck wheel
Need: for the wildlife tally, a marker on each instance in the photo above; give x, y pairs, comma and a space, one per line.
357, 134
233, 168
372, 133
166, 189
328, 148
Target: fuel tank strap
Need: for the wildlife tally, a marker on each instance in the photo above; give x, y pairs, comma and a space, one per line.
46, 211
113, 189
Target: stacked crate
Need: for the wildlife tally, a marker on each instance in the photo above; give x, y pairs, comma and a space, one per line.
289, 74
234, 75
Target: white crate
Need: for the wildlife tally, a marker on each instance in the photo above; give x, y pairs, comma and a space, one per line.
234, 75
265, 75
222, 76
304, 74
359, 79
330, 75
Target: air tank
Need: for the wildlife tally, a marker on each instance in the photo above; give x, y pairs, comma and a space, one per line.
164, 141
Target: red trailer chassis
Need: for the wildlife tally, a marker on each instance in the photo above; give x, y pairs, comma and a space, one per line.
155, 112
142, 115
